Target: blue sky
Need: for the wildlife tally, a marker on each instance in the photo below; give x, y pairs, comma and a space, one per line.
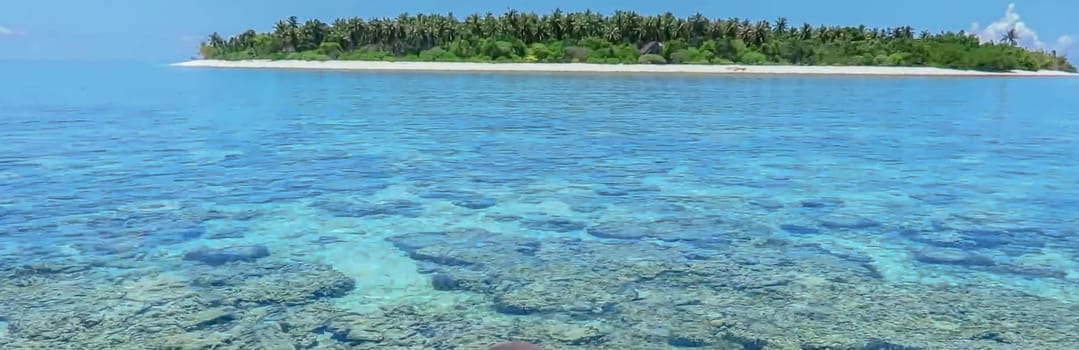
156, 30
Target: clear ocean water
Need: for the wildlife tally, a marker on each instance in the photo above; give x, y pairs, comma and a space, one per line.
150, 207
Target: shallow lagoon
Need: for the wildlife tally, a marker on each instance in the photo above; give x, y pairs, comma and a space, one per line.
153, 207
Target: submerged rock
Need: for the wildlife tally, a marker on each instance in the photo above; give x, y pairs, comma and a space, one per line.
529, 248
503, 217
514, 305
765, 203
993, 336
272, 304
228, 233
288, 283
799, 230
553, 224
216, 257
47, 268
323, 240
358, 335
937, 198
446, 194
362, 209
699, 230
617, 231
839, 221
886, 345
153, 206
246, 215
576, 334
432, 246
1031, 269
689, 337
609, 191
945, 256
735, 341
1012, 242
352, 186
993, 238
157, 228
463, 249
623, 190
515, 345
822, 203
475, 203
445, 282
210, 317
587, 207
278, 196
464, 199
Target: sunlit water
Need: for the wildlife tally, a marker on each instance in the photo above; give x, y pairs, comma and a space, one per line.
451, 211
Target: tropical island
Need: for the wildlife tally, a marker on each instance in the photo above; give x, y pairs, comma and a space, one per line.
624, 37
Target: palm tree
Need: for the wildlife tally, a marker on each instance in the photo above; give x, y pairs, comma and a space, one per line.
1011, 37
341, 33
762, 31
781, 26
477, 33
358, 32
284, 37
807, 31
746, 32
312, 34
555, 24
216, 41
244, 41
698, 26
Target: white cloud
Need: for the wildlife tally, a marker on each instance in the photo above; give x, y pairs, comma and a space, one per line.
1064, 43
6, 31
1027, 37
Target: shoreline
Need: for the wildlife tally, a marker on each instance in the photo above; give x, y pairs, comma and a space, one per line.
613, 68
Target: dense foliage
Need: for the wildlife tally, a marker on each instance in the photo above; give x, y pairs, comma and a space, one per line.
595, 38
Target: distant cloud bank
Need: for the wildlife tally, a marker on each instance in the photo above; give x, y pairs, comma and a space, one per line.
1027, 37
1065, 42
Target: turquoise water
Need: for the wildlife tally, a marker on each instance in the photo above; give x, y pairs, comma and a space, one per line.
157, 207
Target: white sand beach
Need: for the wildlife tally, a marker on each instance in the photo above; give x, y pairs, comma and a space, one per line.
611, 68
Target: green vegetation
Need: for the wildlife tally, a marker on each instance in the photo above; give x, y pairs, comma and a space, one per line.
622, 38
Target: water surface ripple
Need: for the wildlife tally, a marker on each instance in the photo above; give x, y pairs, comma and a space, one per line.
154, 207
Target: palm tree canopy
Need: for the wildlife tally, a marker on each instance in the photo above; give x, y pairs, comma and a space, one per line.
590, 36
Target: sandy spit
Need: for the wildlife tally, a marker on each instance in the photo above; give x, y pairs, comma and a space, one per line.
611, 68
